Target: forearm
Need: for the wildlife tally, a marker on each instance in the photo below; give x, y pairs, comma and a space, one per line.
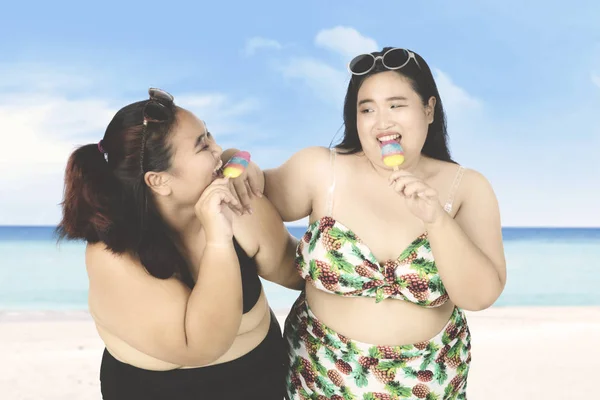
470, 277
283, 272
215, 306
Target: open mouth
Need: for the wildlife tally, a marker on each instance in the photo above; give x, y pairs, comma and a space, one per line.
392, 137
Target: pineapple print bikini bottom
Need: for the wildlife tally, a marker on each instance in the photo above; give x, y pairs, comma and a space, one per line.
323, 364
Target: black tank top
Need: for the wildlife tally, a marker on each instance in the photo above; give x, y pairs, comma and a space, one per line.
251, 286
256, 375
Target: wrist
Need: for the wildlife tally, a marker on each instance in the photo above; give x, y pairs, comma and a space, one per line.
439, 222
218, 238
217, 232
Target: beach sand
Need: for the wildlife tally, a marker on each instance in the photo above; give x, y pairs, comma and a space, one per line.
518, 353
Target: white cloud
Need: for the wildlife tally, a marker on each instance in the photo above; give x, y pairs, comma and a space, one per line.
222, 115
456, 100
465, 113
327, 82
255, 43
42, 129
346, 41
596, 79
39, 131
32, 197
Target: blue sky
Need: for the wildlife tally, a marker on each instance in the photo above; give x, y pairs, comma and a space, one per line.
521, 86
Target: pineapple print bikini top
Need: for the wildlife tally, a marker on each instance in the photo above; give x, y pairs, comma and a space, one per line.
335, 260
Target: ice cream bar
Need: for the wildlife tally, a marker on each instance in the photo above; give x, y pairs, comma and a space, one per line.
237, 164
392, 153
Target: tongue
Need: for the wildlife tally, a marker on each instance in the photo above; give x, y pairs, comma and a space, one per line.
386, 142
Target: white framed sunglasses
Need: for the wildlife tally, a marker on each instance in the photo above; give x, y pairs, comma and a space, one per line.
392, 59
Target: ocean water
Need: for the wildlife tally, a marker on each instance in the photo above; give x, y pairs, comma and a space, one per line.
546, 267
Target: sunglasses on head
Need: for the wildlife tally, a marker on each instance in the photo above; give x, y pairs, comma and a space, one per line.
156, 110
392, 59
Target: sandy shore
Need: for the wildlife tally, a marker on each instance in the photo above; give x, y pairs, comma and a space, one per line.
518, 353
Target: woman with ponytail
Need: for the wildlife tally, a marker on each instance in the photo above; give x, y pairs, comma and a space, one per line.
173, 260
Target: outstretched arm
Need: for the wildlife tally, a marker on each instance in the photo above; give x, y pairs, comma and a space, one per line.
276, 246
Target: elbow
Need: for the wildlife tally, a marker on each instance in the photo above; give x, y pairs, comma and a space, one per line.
295, 281
291, 281
300, 286
208, 354
482, 293
199, 360
481, 300
213, 341
289, 278
475, 304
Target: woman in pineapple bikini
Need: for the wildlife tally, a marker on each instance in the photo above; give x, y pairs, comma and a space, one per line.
391, 258
173, 261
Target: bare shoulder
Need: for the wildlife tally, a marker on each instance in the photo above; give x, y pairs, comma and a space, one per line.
96, 254
474, 187
108, 272
293, 186
99, 259
313, 159
302, 168
318, 153
474, 182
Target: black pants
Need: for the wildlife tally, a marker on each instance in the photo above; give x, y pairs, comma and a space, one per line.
256, 375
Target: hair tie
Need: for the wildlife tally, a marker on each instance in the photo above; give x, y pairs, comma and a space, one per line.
102, 151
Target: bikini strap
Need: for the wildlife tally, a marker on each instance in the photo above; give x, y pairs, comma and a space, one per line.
453, 189
331, 190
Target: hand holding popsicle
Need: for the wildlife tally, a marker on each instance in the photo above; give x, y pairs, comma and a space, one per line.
421, 199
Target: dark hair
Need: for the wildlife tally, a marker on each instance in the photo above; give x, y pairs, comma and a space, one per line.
106, 199
422, 82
